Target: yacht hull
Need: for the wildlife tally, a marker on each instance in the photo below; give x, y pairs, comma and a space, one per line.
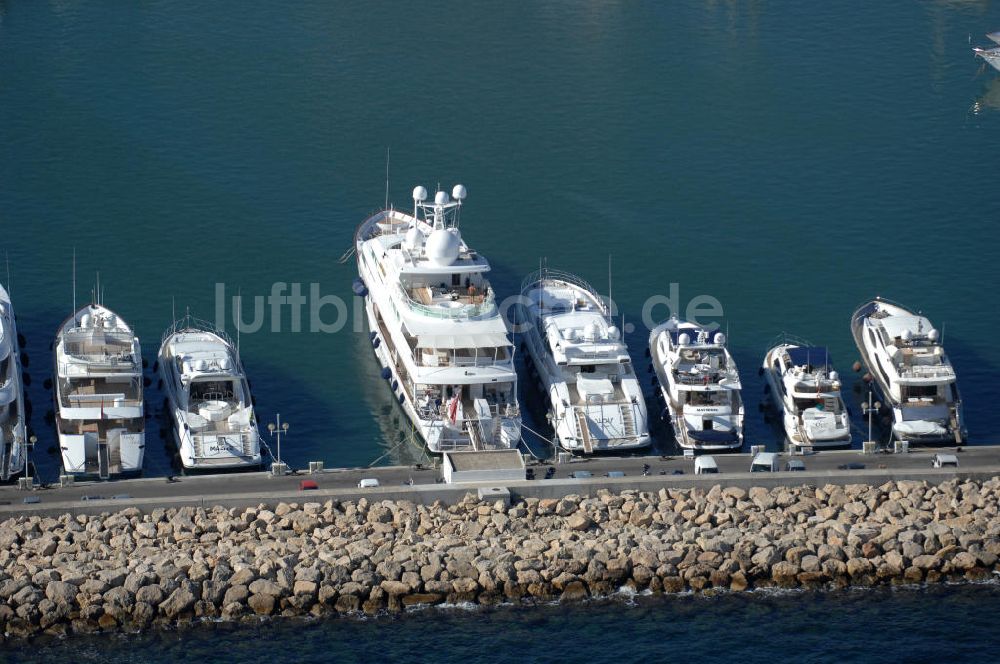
951, 433
674, 411
13, 433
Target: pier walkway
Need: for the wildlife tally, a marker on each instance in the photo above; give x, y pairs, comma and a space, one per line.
243, 489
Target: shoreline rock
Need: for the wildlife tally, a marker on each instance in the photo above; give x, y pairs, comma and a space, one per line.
135, 571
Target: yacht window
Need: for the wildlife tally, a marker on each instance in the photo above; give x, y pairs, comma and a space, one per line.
456, 280
588, 368
213, 390
917, 391
802, 404
954, 391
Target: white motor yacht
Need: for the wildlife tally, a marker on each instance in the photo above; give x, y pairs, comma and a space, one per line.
208, 397
699, 384
583, 366
805, 390
13, 440
990, 55
98, 394
435, 327
910, 372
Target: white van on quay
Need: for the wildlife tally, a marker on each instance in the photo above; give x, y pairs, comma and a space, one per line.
941, 460
764, 462
705, 465
368, 483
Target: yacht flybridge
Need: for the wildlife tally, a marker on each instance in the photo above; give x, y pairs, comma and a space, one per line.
910, 371
699, 384
805, 390
98, 393
435, 325
583, 366
13, 442
208, 397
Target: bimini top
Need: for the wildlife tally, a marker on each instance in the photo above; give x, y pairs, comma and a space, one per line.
811, 357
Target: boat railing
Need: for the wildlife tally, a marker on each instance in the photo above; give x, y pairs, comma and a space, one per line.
189, 323
487, 305
546, 274
926, 371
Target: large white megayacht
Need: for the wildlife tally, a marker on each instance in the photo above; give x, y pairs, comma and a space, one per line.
699, 384
98, 394
13, 441
911, 372
805, 390
435, 326
208, 397
583, 365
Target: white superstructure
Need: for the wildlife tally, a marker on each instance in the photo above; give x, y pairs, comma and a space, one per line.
208, 398
990, 55
699, 384
910, 371
98, 394
805, 390
13, 440
435, 326
583, 366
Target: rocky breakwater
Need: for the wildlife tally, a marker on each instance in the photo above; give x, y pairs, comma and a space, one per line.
133, 570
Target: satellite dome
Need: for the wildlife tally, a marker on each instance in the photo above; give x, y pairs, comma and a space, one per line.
834, 376
420, 193
85, 320
441, 198
719, 338
614, 332
591, 332
442, 246
907, 335
414, 239
225, 364
201, 365
684, 339
933, 334
458, 192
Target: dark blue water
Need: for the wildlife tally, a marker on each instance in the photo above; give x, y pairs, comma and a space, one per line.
939, 624
787, 159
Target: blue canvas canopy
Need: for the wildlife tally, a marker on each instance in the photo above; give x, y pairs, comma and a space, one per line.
815, 356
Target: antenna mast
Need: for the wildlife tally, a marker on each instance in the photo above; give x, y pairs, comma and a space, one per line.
609, 285
73, 313
386, 178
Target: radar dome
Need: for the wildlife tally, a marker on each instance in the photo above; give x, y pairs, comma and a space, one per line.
907, 335
719, 338
414, 239
441, 198
458, 192
933, 334
613, 332
85, 320
443, 246
591, 332
834, 376
420, 193
684, 339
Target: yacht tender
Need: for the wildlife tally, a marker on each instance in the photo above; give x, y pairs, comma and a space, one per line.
806, 391
435, 326
911, 372
13, 440
700, 385
209, 400
98, 394
583, 366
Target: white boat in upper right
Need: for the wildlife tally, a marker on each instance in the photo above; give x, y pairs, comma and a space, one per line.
806, 391
700, 385
910, 371
990, 55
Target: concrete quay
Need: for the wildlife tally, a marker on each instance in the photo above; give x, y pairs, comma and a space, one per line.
422, 485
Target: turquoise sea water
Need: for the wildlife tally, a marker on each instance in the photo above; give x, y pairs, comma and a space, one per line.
788, 159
